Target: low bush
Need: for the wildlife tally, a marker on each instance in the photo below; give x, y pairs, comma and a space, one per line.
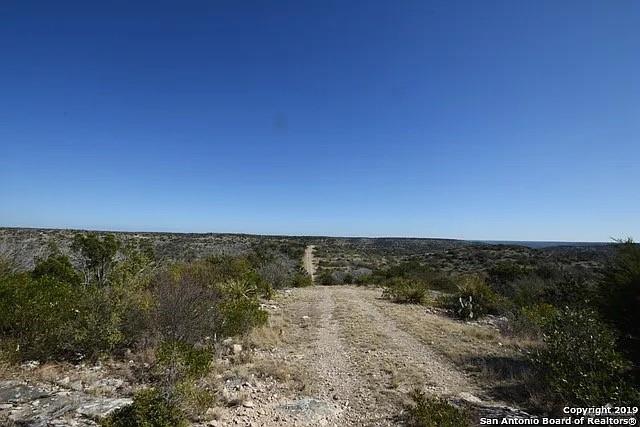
301, 280
530, 321
473, 299
191, 304
177, 361
417, 273
150, 408
427, 411
364, 279
573, 290
57, 266
185, 307
239, 311
264, 288
38, 316
526, 290
6, 267
406, 291
327, 279
579, 362
274, 271
502, 273
47, 319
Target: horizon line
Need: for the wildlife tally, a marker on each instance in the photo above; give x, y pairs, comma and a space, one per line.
496, 241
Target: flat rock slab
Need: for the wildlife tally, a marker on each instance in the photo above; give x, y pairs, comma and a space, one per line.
14, 392
310, 407
101, 408
37, 406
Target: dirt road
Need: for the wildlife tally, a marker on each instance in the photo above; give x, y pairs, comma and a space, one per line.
308, 261
351, 362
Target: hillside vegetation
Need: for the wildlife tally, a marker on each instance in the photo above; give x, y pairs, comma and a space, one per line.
173, 329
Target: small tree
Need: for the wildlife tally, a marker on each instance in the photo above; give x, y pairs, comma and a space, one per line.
98, 253
58, 267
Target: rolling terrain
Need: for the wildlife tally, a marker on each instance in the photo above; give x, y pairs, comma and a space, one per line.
327, 355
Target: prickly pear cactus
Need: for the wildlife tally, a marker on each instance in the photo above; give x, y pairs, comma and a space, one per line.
465, 310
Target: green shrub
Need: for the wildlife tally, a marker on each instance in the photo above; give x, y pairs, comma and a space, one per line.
301, 280
417, 273
505, 272
526, 290
442, 282
6, 267
429, 411
48, 319
222, 268
327, 279
239, 310
97, 327
40, 315
474, 298
50, 315
179, 361
149, 409
263, 287
58, 267
364, 279
131, 298
579, 363
406, 291
530, 321
571, 291
195, 398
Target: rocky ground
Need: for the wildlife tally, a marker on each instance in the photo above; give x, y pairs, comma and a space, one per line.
336, 356
60, 395
355, 365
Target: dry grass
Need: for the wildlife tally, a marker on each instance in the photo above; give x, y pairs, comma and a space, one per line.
269, 368
234, 399
454, 339
375, 355
196, 398
267, 337
496, 362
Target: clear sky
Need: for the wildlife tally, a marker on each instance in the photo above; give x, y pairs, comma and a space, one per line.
468, 119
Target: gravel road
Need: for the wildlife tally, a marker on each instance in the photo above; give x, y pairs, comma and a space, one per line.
356, 365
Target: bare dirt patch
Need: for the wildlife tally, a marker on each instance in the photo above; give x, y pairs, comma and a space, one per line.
347, 358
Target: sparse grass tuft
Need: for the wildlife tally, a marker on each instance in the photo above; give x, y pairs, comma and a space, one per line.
406, 291
427, 411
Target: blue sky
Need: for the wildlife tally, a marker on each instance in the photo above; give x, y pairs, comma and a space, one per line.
482, 120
